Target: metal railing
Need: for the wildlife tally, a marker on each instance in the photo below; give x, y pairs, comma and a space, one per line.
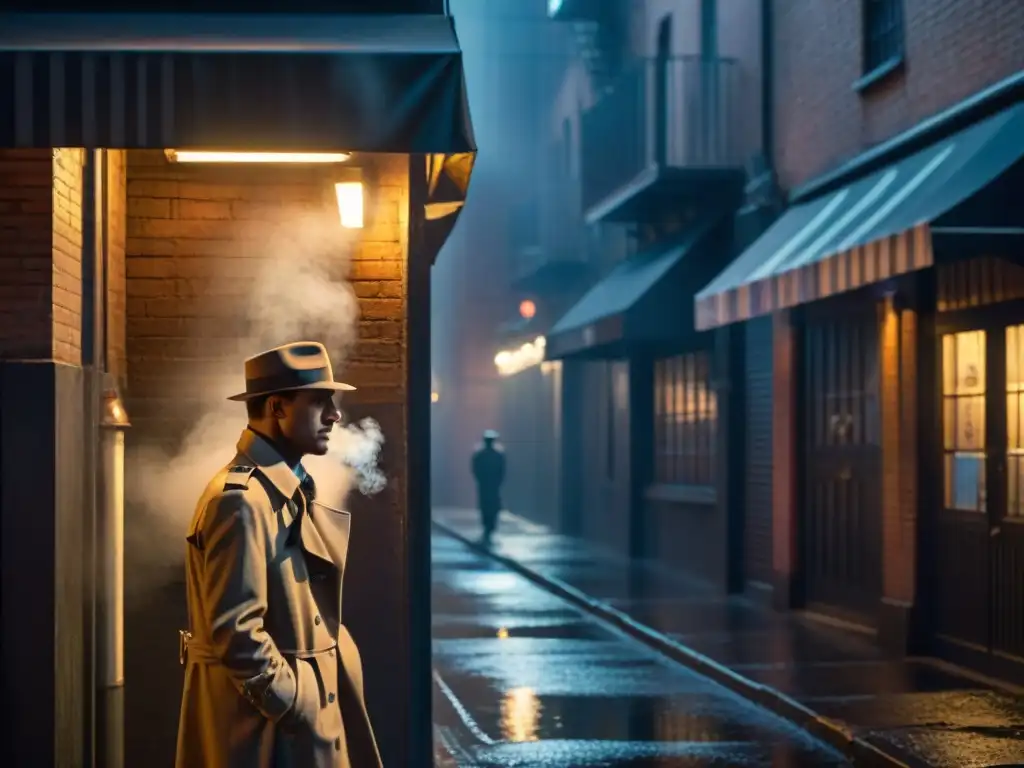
669, 113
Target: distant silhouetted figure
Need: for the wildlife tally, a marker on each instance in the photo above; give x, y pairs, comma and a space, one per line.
489, 472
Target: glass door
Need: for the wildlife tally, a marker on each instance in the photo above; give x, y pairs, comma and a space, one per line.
979, 537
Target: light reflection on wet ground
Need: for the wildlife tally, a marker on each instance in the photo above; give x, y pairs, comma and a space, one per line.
524, 679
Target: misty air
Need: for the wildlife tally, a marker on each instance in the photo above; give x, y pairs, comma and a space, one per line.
511, 383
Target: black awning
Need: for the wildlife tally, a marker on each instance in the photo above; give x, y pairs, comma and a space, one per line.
643, 300
877, 227
362, 83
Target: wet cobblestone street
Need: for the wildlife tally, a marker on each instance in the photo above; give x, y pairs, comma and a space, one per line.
522, 678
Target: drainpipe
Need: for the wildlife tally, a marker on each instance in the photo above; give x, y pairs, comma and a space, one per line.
104, 491
110, 578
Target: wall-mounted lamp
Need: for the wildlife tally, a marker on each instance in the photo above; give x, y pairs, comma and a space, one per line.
202, 156
435, 396
350, 203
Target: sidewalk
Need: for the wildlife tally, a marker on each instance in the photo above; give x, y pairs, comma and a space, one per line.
831, 681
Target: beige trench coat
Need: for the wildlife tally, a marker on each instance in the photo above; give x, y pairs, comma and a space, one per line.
272, 676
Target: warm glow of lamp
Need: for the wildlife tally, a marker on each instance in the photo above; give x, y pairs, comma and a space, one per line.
350, 203
527, 309
435, 396
511, 361
198, 156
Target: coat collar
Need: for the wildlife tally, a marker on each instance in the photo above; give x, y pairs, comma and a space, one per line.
268, 461
327, 537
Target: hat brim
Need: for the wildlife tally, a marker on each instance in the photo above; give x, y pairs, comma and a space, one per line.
333, 386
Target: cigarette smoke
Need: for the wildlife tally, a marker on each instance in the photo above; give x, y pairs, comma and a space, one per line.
299, 293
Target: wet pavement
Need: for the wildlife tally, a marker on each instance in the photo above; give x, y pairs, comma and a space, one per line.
522, 678
919, 711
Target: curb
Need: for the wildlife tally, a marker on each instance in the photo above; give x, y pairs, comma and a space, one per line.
827, 730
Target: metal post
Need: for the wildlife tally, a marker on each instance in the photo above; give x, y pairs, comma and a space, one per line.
110, 587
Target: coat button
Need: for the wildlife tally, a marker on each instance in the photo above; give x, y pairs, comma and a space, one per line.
337, 743
316, 620
330, 698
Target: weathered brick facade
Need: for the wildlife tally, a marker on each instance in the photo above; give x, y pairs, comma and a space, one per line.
195, 248
953, 49
41, 258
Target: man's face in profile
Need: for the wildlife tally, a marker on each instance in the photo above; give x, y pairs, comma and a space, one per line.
307, 418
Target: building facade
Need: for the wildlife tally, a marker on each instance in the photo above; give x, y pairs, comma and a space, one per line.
123, 262
660, 113
880, 315
775, 266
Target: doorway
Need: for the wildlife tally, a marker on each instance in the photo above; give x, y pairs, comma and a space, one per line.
841, 521
978, 539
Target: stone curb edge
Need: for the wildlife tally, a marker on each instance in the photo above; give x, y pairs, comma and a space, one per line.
823, 728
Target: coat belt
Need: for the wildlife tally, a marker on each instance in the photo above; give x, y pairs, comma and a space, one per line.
191, 649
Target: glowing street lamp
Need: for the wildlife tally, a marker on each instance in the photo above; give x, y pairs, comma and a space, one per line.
350, 203
527, 309
202, 156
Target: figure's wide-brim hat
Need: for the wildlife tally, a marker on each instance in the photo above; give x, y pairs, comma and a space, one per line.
288, 368
491, 434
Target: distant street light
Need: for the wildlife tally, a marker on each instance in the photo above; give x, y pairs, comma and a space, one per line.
527, 309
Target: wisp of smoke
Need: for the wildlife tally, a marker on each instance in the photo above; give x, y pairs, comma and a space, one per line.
300, 293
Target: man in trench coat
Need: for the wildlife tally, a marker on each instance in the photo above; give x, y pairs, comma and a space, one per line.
272, 676
488, 466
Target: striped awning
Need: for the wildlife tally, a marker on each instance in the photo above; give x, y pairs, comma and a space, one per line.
363, 83
876, 228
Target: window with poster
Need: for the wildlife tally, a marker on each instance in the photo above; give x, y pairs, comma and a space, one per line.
963, 409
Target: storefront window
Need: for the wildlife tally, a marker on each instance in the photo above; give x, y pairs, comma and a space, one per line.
1014, 426
685, 414
963, 418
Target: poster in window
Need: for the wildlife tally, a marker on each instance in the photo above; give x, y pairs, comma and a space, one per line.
970, 423
970, 362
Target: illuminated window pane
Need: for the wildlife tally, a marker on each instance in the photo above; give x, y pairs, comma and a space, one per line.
1013, 432
970, 363
966, 472
1014, 361
1014, 484
970, 423
948, 423
948, 365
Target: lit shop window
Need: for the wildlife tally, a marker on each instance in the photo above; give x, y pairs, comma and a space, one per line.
1014, 426
963, 419
685, 415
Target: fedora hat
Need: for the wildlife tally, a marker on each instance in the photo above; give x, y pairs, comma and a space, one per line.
291, 367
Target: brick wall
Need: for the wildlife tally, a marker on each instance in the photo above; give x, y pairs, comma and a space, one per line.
67, 255
953, 49
196, 243
117, 354
41, 255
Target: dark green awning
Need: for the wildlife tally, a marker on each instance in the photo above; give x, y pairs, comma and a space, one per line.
643, 300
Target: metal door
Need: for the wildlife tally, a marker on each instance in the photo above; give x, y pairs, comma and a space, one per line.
841, 521
978, 556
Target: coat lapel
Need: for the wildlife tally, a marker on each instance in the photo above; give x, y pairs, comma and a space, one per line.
324, 534
327, 537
